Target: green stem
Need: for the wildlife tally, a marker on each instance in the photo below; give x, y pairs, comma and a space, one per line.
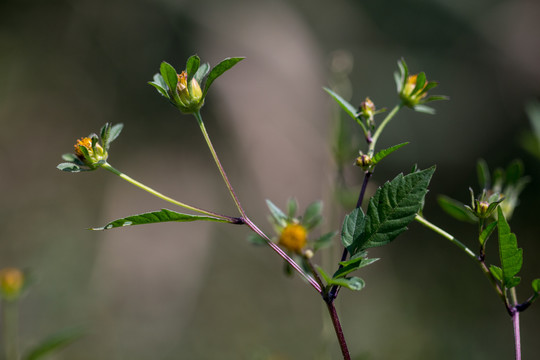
467, 251
10, 325
108, 167
381, 127
218, 163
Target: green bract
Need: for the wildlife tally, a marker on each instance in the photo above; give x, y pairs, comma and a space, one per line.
412, 89
184, 90
91, 152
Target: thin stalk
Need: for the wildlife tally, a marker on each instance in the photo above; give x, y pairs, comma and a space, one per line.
381, 127
467, 251
132, 181
515, 322
10, 325
244, 217
218, 163
338, 329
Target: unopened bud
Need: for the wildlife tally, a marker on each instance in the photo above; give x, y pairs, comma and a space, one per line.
11, 283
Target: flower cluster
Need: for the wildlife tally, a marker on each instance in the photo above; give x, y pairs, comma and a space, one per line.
413, 89
91, 152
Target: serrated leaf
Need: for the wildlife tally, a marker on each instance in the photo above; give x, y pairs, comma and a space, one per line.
511, 256
163, 215
278, 215
218, 70
352, 229
482, 171
496, 272
486, 233
536, 285
352, 265
455, 209
345, 105
392, 208
54, 343
384, 153
324, 241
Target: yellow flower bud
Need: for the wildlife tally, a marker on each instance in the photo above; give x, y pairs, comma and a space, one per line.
190, 100
293, 238
407, 92
11, 283
96, 153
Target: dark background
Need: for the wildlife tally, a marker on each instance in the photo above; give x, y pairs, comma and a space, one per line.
201, 291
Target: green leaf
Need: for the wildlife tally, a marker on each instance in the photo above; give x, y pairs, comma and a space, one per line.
352, 229
292, 206
256, 239
324, 241
486, 233
278, 215
424, 109
192, 65
163, 215
160, 89
218, 70
353, 283
496, 272
536, 285
455, 209
511, 256
345, 105
352, 265
384, 153
514, 172
312, 216
54, 343
392, 208
202, 72
482, 170
169, 75
70, 167
420, 82
115, 132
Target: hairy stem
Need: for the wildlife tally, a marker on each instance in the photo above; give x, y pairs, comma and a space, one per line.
132, 181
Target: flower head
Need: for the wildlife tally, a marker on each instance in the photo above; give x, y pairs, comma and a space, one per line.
11, 283
91, 152
413, 89
184, 89
293, 232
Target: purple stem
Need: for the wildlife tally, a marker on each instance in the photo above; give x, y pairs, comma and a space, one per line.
517, 337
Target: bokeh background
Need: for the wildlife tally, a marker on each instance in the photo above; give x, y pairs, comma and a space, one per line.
201, 291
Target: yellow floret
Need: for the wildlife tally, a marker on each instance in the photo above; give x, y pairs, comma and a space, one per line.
293, 237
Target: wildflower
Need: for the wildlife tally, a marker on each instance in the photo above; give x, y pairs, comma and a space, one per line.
413, 89
367, 110
11, 283
91, 152
184, 90
293, 237
293, 232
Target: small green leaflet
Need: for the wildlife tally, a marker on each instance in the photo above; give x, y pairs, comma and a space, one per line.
163, 215
345, 105
353, 283
384, 153
456, 209
511, 256
54, 343
218, 70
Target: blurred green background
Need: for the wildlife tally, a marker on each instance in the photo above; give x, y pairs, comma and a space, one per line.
201, 291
